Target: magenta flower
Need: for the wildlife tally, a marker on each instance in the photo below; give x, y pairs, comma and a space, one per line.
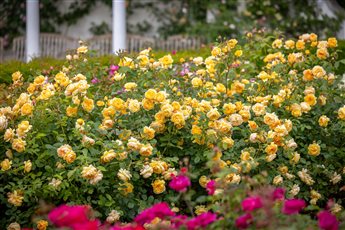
89, 225
128, 227
293, 206
251, 203
113, 69
173, 52
279, 194
244, 221
201, 221
159, 210
95, 80
180, 183
211, 187
178, 221
67, 216
327, 221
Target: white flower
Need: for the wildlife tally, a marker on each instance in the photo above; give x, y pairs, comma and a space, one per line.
124, 175
146, 171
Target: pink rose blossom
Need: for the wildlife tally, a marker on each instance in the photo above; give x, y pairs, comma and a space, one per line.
201, 221
159, 210
90, 225
279, 194
327, 221
211, 187
293, 206
244, 221
180, 183
251, 203
66, 216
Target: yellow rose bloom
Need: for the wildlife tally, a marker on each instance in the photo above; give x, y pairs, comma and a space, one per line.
130, 86
322, 53
42, 225
17, 76
27, 166
82, 49
5, 164
341, 113
166, 61
148, 133
310, 99
88, 104
300, 45
314, 149
229, 108
158, 186
71, 111
238, 53
216, 51
271, 149
308, 75
332, 42
196, 82
126, 188
323, 121
148, 104
15, 198
232, 43
18, 145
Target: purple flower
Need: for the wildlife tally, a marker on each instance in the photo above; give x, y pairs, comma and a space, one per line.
211, 187
279, 194
67, 216
95, 80
159, 210
293, 206
201, 221
113, 68
244, 221
180, 183
327, 221
251, 203
177, 221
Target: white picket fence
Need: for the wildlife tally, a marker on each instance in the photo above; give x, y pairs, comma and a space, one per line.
57, 46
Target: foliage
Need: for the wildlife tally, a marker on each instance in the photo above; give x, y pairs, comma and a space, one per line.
114, 134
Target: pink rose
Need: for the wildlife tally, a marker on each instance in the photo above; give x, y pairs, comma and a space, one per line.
201, 221
251, 203
327, 221
244, 221
293, 206
180, 183
67, 216
211, 187
279, 194
159, 210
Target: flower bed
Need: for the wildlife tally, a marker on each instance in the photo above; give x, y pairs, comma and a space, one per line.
140, 131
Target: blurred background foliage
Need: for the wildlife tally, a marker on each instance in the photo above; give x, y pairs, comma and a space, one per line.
223, 18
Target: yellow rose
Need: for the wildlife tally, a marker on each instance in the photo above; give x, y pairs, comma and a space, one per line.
277, 43
71, 111
203, 180
158, 166
231, 43
308, 75
70, 156
82, 49
148, 104
42, 225
166, 61
146, 150
314, 149
196, 130
196, 82
229, 108
130, 86
341, 113
9, 135
150, 94
322, 53
332, 42
300, 45
88, 104
18, 145
238, 53
323, 121
126, 188
15, 198
271, 149
313, 37
213, 114
216, 51
148, 133
27, 166
5, 164
178, 120
289, 44
318, 71
158, 186
227, 142
310, 99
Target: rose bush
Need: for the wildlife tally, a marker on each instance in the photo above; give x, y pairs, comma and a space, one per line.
115, 137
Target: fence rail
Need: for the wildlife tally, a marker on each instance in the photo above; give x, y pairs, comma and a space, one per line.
56, 45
